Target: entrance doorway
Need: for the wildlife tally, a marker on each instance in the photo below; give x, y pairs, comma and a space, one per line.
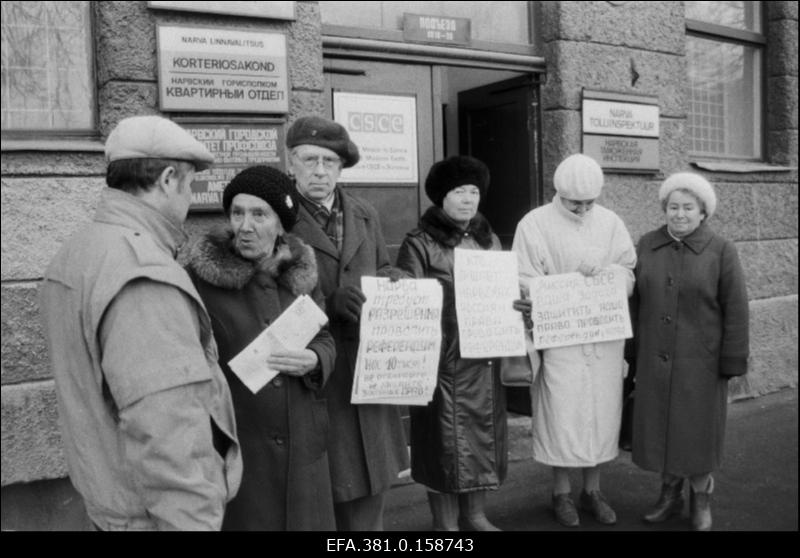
499, 125
492, 115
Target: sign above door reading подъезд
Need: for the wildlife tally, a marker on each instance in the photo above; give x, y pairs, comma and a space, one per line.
436, 29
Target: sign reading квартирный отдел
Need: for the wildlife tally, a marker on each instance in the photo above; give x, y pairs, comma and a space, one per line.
204, 69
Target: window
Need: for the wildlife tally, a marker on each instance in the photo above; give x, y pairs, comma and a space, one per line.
725, 48
47, 69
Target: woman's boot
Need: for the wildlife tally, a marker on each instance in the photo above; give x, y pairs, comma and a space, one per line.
444, 508
473, 516
700, 506
670, 503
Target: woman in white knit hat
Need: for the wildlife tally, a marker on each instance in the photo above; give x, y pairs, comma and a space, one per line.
690, 315
577, 397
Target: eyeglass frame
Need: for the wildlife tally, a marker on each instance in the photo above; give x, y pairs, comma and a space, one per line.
311, 162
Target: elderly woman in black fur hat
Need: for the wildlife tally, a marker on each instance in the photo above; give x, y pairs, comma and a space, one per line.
247, 273
459, 442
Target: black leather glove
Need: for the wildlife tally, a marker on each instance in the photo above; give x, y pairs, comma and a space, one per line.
345, 303
524, 305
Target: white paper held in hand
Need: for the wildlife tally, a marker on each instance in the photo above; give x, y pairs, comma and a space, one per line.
293, 329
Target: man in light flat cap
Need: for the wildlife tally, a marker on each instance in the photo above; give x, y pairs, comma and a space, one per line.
367, 447
145, 412
580, 384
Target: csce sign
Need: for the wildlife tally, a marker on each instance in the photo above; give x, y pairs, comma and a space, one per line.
375, 122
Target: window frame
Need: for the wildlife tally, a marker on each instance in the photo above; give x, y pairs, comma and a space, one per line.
49, 138
724, 34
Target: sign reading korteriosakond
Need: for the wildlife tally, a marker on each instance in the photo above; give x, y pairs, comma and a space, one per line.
211, 70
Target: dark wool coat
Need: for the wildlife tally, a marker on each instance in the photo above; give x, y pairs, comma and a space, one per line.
367, 446
690, 314
459, 442
283, 428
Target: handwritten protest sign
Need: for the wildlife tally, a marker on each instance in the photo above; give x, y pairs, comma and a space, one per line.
570, 309
486, 284
401, 336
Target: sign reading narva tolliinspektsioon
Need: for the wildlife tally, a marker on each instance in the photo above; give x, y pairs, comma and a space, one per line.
221, 70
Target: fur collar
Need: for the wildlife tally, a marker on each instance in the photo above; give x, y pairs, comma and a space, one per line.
292, 265
443, 229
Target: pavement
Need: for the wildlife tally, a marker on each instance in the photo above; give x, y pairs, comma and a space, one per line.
756, 488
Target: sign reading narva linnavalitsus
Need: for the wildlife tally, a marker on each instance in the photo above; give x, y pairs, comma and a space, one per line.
211, 70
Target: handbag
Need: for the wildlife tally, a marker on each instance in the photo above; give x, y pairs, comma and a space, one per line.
521, 371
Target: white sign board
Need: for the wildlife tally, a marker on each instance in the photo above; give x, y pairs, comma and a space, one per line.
570, 309
384, 127
400, 341
486, 284
620, 119
221, 70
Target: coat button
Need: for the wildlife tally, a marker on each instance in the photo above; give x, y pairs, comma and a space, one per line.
277, 382
278, 440
670, 281
664, 357
667, 319
676, 246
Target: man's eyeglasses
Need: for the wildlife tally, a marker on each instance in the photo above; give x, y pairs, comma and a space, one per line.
311, 161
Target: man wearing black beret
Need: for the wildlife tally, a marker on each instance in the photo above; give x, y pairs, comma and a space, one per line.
367, 446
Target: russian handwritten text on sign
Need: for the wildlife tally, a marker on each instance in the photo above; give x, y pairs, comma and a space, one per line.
571, 309
400, 341
486, 284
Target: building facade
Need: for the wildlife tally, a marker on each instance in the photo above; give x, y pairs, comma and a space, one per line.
649, 88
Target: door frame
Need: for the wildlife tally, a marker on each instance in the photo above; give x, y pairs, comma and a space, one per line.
532, 84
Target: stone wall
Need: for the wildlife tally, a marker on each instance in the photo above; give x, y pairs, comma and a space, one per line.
50, 191
601, 45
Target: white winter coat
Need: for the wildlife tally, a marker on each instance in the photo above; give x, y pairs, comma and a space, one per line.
577, 397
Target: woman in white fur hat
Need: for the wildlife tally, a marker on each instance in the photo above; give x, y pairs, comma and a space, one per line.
577, 397
690, 315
